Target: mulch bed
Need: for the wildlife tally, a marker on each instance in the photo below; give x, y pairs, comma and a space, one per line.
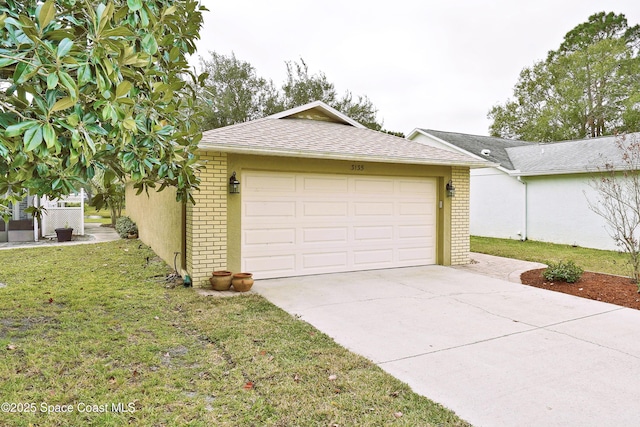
596, 286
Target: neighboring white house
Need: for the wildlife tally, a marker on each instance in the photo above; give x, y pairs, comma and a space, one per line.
64, 212
539, 191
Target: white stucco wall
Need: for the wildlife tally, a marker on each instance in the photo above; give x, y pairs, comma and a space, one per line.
558, 212
497, 204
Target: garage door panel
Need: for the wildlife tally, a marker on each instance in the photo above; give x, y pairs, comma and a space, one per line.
412, 255
257, 182
320, 209
375, 233
415, 208
334, 223
412, 232
373, 186
412, 188
271, 266
368, 258
325, 185
325, 260
253, 237
325, 235
272, 208
373, 208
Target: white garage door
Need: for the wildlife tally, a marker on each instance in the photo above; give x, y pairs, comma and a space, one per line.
299, 224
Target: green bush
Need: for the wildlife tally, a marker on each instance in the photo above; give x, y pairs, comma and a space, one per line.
562, 272
124, 227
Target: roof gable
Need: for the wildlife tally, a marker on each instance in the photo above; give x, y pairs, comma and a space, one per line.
317, 110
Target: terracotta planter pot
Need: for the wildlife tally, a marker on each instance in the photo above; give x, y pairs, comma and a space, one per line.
220, 280
242, 282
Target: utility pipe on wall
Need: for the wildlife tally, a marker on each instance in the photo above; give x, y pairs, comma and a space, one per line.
523, 232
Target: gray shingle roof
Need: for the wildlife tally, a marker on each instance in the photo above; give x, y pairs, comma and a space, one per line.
322, 139
476, 144
569, 156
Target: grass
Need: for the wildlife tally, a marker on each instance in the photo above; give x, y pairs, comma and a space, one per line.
107, 330
595, 260
104, 215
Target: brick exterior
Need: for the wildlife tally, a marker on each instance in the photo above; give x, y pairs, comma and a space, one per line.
207, 220
460, 217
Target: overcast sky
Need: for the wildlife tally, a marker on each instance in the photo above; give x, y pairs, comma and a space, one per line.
430, 64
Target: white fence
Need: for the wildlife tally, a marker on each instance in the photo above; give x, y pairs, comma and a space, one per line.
60, 215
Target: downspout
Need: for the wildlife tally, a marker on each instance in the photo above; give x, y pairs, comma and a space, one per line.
523, 232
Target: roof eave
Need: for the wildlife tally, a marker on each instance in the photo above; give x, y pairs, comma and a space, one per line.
349, 157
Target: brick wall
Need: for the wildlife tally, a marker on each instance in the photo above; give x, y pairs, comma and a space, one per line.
460, 217
207, 220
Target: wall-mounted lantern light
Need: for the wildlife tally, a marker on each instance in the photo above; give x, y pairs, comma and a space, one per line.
451, 190
234, 184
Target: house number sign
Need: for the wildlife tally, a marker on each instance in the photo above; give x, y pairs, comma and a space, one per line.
357, 168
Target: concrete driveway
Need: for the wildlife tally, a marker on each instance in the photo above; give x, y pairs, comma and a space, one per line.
495, 352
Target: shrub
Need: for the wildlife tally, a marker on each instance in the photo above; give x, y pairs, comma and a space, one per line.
124, 227
563, 272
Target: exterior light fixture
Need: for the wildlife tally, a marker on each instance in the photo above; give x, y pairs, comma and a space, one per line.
451, 190
234, 184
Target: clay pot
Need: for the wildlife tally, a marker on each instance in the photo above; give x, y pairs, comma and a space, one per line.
220, 280
242, 282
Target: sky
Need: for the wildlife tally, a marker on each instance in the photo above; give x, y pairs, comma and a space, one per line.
424, 64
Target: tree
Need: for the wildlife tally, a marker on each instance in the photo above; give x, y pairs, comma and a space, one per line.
617, 186
301, 88
89, 86
589, 87
108, 193
233, 92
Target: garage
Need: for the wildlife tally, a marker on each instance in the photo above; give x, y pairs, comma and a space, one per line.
310, 223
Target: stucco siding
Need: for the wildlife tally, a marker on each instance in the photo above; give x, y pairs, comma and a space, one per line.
159, 220
558, 211
497, 204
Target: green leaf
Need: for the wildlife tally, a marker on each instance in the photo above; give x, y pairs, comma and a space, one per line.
69, 83
32, 138
134, 4
149, 44
123, 88
63, 104
22, 72
4, 62
52, 81
18, 128
64, 47
49, 135
130, 124
47, 13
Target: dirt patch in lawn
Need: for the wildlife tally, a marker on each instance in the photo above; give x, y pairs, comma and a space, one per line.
596, 286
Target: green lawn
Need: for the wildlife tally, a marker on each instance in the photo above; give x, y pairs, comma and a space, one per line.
97, 325
589, 259
104, 214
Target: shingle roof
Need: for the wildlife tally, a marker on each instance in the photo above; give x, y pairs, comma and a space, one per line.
296, 137
569, 156
532, 158
476, 144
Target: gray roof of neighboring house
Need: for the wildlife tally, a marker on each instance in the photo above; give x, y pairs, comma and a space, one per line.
280, 135
570, 156
532, 158
476, 144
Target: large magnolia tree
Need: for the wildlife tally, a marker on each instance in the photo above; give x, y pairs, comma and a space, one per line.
88, 85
